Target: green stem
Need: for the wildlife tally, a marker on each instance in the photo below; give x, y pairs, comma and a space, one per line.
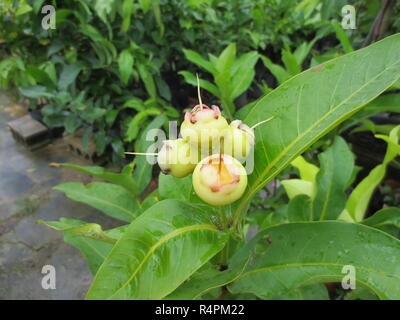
224, 254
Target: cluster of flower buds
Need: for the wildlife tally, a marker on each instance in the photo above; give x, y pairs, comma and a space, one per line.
212, 149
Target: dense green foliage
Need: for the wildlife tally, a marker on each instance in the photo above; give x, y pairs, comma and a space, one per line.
113, 70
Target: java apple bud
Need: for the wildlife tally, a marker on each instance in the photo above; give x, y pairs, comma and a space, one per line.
177, 157
203, 125
238, 140
219, 179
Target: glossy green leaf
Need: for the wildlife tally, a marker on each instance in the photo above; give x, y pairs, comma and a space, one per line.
137, 120
68, 75
300, 208
209, 277
196, 58
159, 250
125, 65
148, 80
191, 79
308, 171
295, 187
226, 60
337, 165
88, 230
93, 251
313, 292
127, 10
357, 203
301, 254
35, 92
171, 187
123, 179
93, 243
290, 62
40, 76
342, 36
383, 218
310, 104
243, 73
111, 199
277, 71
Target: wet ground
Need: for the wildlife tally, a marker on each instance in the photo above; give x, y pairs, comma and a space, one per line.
26, 195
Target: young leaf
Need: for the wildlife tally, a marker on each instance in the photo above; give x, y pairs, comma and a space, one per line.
295, 187
316, 252
159, 250
308, 171
357, 203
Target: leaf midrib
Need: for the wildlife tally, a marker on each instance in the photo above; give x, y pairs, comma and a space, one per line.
161, 241
82, 195
318, 264
299, 137
261, 177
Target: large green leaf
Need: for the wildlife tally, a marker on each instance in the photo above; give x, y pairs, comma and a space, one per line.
159, 250
313, 292
94, 251
301, 254
123, 179
93, 243
310, 104
210, 277
171, 187
109, 198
